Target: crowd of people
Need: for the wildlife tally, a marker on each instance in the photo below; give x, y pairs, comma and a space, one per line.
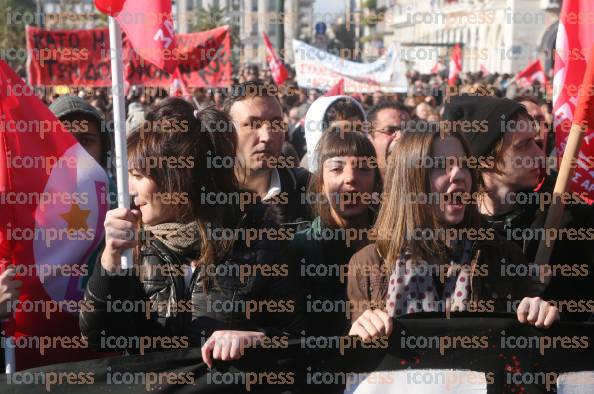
390, 204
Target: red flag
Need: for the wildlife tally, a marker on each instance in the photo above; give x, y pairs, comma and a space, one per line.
109, 7
584, 112
533, 72
575, 38
437, 68
148, 25
52, 207
485, 70
336, 90
455, 65
178, 85
277, 67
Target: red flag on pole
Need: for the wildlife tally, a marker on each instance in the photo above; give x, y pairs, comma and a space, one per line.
533, 72
52, 207
485, 70
574, 42
179, 87
584, 112
109, 7
437, 68
336, 90
277, 67
455, 65
148, 25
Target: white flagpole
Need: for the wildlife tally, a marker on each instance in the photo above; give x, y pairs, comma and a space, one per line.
9, 355
119, 115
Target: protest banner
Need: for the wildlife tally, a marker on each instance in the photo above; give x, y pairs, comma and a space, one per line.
318, 69
82, 58
433, 355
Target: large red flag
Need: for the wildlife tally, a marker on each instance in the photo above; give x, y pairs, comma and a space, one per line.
277, 67
575, 38
455, 65
148, 24
53, 200
533, 72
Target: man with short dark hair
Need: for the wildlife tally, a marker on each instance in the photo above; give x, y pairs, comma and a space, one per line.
387, 121
260, 166
512, 191
533, 107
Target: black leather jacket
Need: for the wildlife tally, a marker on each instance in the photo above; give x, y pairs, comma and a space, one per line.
152, 300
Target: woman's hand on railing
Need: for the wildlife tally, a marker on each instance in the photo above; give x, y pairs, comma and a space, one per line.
371, 324
228, 345
537, 312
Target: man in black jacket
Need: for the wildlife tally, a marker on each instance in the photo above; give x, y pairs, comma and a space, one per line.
514, 199
261, 168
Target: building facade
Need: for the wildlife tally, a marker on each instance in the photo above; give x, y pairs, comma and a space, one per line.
499, 35
252, 18
262, 16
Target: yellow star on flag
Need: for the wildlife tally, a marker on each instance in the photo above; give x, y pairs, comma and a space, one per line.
76, 217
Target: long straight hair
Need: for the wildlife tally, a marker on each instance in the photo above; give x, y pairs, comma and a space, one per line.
398, 217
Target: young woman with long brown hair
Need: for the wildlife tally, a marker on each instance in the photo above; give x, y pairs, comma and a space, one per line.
432, 253
193, 279
342, 191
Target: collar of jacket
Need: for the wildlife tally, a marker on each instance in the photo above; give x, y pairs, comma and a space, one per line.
317, 226
169, 255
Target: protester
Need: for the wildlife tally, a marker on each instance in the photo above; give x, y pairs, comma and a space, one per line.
296, 136
343, 191
514, 193
424, 111
250, 73
544, 138
260, 166
86, 123
184, 262
404, 272
387, 120
323, 113
88, 126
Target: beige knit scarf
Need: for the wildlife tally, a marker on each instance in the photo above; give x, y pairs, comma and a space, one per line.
179, 237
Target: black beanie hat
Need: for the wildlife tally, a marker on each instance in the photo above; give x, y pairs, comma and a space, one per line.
496, 111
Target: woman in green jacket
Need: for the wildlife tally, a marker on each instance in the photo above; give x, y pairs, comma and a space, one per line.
343, 193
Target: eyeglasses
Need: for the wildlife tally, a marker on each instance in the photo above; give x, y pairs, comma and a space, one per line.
389, 130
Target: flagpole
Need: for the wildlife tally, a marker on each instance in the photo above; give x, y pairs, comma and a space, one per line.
555, 212
119, 115
9, 355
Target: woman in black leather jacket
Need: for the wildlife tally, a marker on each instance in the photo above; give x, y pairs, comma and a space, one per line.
209, 269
